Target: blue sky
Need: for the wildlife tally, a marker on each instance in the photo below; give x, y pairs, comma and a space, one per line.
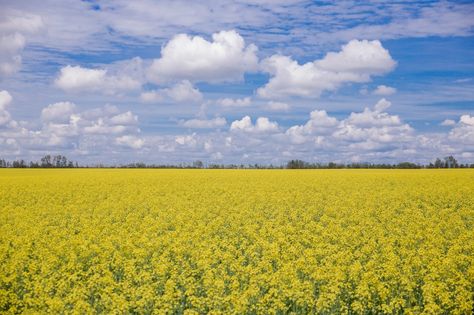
237, 81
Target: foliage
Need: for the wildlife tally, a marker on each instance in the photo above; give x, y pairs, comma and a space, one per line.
236, 241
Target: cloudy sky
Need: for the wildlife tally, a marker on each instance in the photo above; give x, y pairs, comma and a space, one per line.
237, 81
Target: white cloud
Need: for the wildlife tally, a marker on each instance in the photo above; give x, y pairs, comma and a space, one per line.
384, 90
5, 99
374, 117
130, 141
14, 27
204, 123
463, 132
434, 19
58, 112
127, 118
224, 59
467, 120
180, 92
448, 122
77, 78
217, 156
356, 62
277, 106
230, 102
382, 105
262, 125
151, 97
320, 123
183, 92
186, 140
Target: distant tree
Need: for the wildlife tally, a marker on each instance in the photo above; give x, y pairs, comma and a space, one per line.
296, 164
19, 164
438, 163
46, 161
407, 165
198, 164
450, 162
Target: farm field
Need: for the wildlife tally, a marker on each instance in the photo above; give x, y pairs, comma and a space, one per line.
236, 241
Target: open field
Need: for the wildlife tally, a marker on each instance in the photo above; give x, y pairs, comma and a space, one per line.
237, 241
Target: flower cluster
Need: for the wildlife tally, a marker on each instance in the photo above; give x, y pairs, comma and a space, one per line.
237, 241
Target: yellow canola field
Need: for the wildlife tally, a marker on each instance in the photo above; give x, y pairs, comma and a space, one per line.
237, 241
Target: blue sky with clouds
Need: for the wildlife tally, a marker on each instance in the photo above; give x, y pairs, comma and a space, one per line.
237, 81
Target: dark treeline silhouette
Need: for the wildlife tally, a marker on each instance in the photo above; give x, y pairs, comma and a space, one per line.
60, 161
47, 161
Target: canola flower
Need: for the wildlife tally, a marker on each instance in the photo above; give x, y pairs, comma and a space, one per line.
237, 241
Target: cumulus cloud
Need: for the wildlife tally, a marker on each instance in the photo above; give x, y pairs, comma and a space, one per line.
152, 96
372, 130
277, 106
262, 125
382, 105
180, 92
5, 100
448, 122
357, 62
127, 118
319, 123
66, 125
231, 102
194, 58
184, 92
384, 90
463, 132
77, 78
130, 141
204, 123
58, 112
15, 26
187, 140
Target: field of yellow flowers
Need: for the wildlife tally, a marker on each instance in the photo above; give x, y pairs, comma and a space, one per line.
237, 241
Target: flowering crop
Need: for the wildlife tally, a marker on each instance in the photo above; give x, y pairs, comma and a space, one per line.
237, 241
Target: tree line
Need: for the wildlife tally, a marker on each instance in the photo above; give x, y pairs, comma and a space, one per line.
61, 161
47, 161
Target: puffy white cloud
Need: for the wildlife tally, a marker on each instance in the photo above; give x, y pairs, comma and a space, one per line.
262, 125
374, 117
130, 141
382, 105
127, 118
448, 122
58, 112
384, 90
277, 106
320, 123
5, 99
223, 59
463, 132
14, 27
151, 97
181, 92
357, 62
204, 123
467, 120
77, 78
65, 129
186, 140
230, 102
